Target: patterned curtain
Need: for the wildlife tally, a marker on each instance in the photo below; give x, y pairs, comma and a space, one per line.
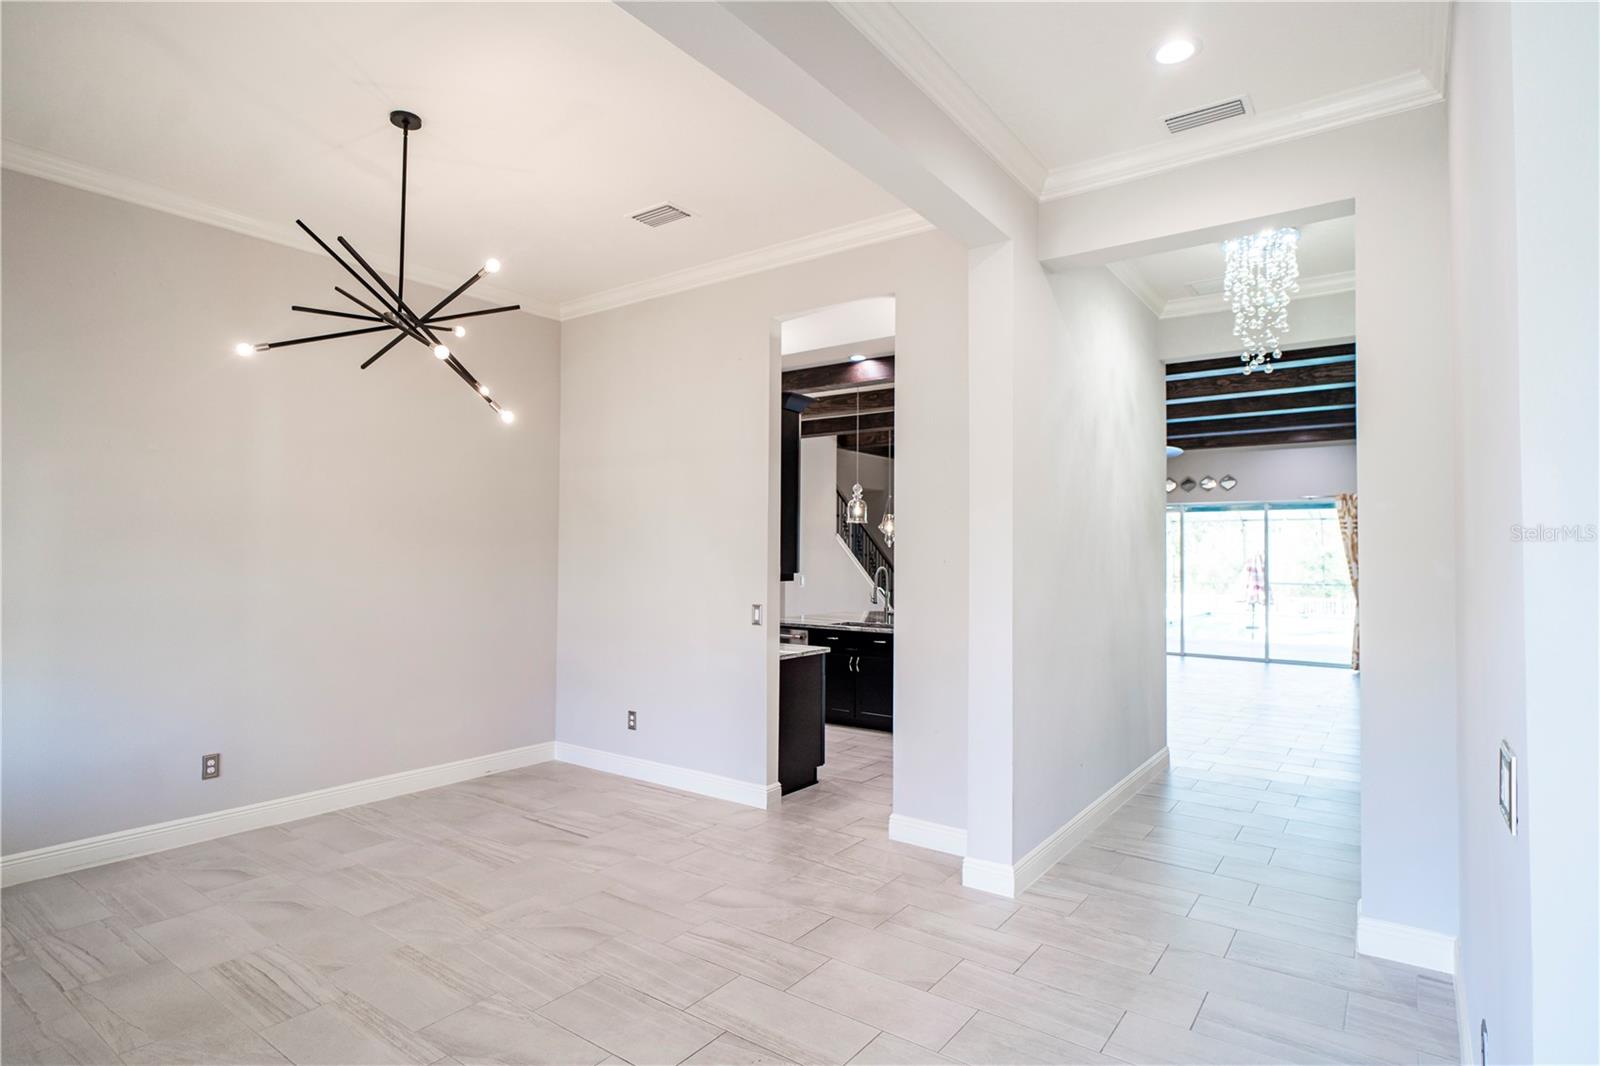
1349, 530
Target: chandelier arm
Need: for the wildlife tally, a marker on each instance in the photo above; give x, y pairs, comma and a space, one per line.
393, 295
348, 268
336, 314
431, 320
466, 375
400, 324
459, 289
381, 352
321, 337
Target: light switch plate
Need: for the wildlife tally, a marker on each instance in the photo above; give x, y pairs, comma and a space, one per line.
755, 614
1508, 787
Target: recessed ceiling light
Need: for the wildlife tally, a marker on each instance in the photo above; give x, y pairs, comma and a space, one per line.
1177, 50
857, 358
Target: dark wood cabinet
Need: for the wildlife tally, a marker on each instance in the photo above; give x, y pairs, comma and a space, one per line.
789, 485
800, 717
860, 677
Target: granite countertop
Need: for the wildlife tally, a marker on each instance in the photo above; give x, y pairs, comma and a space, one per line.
837, 620
797, 651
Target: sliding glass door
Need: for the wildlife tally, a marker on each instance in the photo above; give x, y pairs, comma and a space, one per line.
1262, 581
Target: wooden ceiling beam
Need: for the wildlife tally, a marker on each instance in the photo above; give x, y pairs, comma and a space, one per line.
844, 403
1243, 405
877, 371
1232, 362
1296, 420
832, 427
1262, 440
866, 440
1284, 377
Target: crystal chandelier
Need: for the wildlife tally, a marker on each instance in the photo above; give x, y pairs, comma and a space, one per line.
1262, 273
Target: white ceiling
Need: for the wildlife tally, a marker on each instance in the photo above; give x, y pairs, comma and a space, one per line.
1077, 94
1188, 281
545, 127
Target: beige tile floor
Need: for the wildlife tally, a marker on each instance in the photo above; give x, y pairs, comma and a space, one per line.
559, 915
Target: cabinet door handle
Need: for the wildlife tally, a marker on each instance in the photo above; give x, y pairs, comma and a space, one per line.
880, 642
855, 663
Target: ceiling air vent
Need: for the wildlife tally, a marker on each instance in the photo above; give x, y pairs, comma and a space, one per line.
1204, 116
661, 215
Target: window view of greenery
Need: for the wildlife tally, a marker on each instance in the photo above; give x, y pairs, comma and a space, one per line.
1260, 581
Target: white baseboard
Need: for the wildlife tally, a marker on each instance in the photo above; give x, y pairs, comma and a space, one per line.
147, 839
934, 836
716, 786
1409, 944
1009, 881
985, 875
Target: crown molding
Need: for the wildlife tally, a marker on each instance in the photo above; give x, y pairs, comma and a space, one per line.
857, 235
1438, 21
1134, 280
892, 34
40, 164
1215, 302
1380, 99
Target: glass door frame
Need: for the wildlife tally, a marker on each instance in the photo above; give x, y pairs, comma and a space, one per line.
1265, 507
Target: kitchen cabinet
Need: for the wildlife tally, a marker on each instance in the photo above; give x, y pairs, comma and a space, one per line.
860, 677
800, 717
789, 484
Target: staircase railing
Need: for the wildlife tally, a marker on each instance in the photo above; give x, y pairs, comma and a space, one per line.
864, 544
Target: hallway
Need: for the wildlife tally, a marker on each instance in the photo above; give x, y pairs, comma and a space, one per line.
1237, 874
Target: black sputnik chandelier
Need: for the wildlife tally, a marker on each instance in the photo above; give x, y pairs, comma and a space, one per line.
389, 308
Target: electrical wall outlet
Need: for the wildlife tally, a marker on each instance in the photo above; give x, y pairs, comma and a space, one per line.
210, 766
633, 720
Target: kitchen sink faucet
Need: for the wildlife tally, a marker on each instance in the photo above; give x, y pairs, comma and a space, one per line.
882, 589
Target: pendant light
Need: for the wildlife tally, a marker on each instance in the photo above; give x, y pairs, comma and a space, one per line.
886, 523
855, 512
388, 310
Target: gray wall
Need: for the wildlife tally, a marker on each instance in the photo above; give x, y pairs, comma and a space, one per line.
669, 524
1090, 695
324, 574
1523, 174
1267, 474
833, 580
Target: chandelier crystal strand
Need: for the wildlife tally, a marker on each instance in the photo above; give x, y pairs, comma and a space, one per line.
1262, 274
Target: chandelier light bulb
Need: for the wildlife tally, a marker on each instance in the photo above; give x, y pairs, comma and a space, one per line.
460, 331
492, 266
508, 417
483, 389
441, 352
244, 349
1176, 51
